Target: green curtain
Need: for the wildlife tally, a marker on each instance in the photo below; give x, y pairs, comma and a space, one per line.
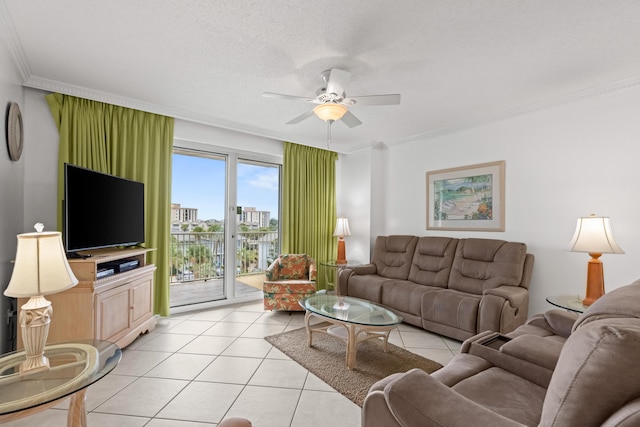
129, 143
309, 203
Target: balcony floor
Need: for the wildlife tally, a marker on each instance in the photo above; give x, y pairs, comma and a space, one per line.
198, 291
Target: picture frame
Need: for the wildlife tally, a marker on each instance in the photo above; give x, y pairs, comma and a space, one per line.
469, 198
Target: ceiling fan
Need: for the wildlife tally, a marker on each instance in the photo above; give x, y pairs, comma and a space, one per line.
333, 102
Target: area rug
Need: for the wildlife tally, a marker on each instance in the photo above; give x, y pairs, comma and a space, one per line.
327, 356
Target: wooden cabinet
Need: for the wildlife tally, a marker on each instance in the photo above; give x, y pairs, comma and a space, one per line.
116, 308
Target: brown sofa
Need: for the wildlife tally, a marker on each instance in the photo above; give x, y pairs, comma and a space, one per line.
453, 287
557, 370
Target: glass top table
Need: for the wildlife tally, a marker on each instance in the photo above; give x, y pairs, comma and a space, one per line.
351, 319
332, 270
73, 367
568, 302
336, 265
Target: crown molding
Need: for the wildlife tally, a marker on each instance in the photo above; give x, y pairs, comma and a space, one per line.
122, 101
570, 98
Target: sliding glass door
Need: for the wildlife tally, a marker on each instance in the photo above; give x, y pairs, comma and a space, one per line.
257, 229
224, 230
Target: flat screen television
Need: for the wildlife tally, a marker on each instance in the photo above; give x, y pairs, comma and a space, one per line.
101, 210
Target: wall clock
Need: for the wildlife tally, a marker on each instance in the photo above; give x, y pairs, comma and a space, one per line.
15, 136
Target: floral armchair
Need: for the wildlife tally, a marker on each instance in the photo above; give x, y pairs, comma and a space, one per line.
290, 278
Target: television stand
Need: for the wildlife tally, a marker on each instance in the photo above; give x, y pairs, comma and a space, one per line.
115, 307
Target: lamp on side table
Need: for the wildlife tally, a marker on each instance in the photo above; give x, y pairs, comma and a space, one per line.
41, 268
593, 235
342, 229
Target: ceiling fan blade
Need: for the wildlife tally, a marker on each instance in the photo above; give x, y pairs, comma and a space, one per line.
291, 97
338, 80
300, 118
391, 99
350, 120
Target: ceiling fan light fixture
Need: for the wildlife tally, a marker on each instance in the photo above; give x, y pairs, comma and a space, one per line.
330, 111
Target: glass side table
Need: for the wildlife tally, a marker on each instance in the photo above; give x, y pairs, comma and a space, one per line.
568, 302
73, 367
332, 270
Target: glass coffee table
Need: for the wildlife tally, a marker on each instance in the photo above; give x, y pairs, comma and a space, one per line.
73, 367
352, 320
568, 302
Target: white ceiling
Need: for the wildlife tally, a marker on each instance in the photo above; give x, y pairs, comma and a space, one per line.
455, 63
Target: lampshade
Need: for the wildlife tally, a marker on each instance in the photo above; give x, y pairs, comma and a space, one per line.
41, 266
330, 111
342, 227
593, 235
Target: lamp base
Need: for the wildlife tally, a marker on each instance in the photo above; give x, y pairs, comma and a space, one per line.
342, 252
35, 319
595, 279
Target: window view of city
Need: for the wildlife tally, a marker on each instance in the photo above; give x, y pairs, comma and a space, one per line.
198, 245
198, 223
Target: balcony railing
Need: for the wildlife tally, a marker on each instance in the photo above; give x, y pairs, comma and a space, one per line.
200, 256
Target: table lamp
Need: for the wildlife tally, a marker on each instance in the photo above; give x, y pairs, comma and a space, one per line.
593, 235
342, 229
41, 268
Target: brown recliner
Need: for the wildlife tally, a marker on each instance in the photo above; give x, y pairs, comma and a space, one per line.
544, 373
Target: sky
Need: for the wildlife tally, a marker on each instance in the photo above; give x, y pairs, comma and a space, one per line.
199, 182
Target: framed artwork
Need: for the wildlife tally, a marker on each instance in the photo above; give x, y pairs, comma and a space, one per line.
466, 198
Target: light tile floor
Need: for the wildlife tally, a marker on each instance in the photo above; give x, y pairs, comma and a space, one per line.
196, 369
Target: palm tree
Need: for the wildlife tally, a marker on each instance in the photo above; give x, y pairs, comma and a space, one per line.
199, 258
177, 256
246, 256
214, 228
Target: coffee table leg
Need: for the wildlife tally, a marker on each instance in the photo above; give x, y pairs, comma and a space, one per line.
77, 415
386, 340
352, 345
307, 316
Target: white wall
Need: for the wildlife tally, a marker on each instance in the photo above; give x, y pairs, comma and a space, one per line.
41, 167
11, 181
353, 200
561, 163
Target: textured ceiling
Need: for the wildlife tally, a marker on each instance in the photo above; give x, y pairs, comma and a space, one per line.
455, 63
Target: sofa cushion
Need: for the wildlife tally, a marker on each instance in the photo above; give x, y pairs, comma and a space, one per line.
451, 308
598, 365
515, 398
293, 267
481, 264
404, 296
392, 256
432, 261
289, 287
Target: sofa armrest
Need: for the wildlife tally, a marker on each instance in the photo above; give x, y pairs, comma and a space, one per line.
514, 294
313, 270
556, 321
365, 269
418, 400
534, 349
345, 274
